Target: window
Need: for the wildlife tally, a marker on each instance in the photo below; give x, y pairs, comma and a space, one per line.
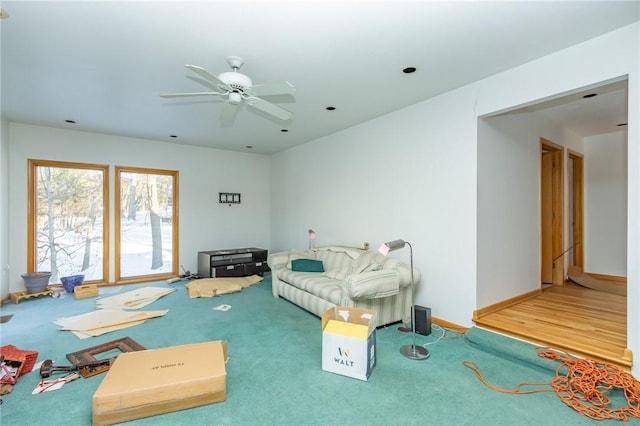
146, 224
68, 222
67, 234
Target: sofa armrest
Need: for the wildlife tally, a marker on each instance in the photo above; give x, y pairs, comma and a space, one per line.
372, 285
404, 271
278, 260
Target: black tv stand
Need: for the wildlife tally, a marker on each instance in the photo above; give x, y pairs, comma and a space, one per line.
232, 262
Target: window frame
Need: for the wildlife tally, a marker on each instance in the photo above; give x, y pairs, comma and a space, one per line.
118, 225
32, 226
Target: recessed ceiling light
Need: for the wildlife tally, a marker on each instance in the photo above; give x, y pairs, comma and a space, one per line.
590, 95
622, 124
284, 130
330, 108
70, 121
409, 70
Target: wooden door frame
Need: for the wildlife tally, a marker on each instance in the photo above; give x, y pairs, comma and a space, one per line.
557, 200
577, 199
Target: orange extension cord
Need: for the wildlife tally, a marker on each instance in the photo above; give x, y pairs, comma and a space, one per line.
583, 386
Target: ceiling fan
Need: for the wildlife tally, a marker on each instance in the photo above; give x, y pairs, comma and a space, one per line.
239, 88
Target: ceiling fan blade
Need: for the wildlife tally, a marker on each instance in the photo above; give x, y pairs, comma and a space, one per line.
229, 111
207, 75
269, 108
276, 88
179, 95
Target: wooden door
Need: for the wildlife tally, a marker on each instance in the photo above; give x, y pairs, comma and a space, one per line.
577, 209
546, 216
551, 214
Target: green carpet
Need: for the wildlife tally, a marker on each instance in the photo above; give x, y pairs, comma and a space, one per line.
274, 374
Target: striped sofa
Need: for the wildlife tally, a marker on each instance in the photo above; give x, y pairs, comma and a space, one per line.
351, 277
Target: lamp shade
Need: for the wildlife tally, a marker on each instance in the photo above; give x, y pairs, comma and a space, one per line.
312, 236
391, 246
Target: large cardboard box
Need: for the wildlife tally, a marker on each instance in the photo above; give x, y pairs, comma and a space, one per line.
349, 341
155, 381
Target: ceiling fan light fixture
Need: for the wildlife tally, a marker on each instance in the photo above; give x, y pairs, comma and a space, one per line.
236, 80
239, 88
235, 98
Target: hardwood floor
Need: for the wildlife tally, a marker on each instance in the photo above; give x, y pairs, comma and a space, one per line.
583, 322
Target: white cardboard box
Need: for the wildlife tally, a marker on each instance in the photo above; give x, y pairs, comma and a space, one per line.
349, 341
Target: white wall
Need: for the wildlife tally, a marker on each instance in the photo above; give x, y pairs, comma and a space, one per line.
204, 223
410, 175
4, 208
633, 220
605, 198
508, 209
509, 203
413, 174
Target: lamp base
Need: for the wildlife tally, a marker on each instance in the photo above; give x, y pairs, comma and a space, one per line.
414, 352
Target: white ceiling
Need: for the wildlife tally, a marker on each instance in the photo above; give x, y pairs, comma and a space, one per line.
104, 64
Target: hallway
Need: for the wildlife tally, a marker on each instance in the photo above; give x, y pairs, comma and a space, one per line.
571, 318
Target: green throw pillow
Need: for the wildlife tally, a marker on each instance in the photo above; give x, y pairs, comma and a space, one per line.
307, 265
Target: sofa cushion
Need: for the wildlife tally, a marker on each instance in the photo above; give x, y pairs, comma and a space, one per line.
373, 266
337, 274
365, 262
306, 265
337, 258
317, 284
298, 254
331, 292
373, 285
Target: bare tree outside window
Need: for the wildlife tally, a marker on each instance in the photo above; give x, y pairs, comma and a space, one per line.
67, 234
146, 225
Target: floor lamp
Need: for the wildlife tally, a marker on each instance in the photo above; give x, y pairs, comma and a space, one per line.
312, 236
410, 351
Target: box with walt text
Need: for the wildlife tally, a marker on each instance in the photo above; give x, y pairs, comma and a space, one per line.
349, 341
156, 381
